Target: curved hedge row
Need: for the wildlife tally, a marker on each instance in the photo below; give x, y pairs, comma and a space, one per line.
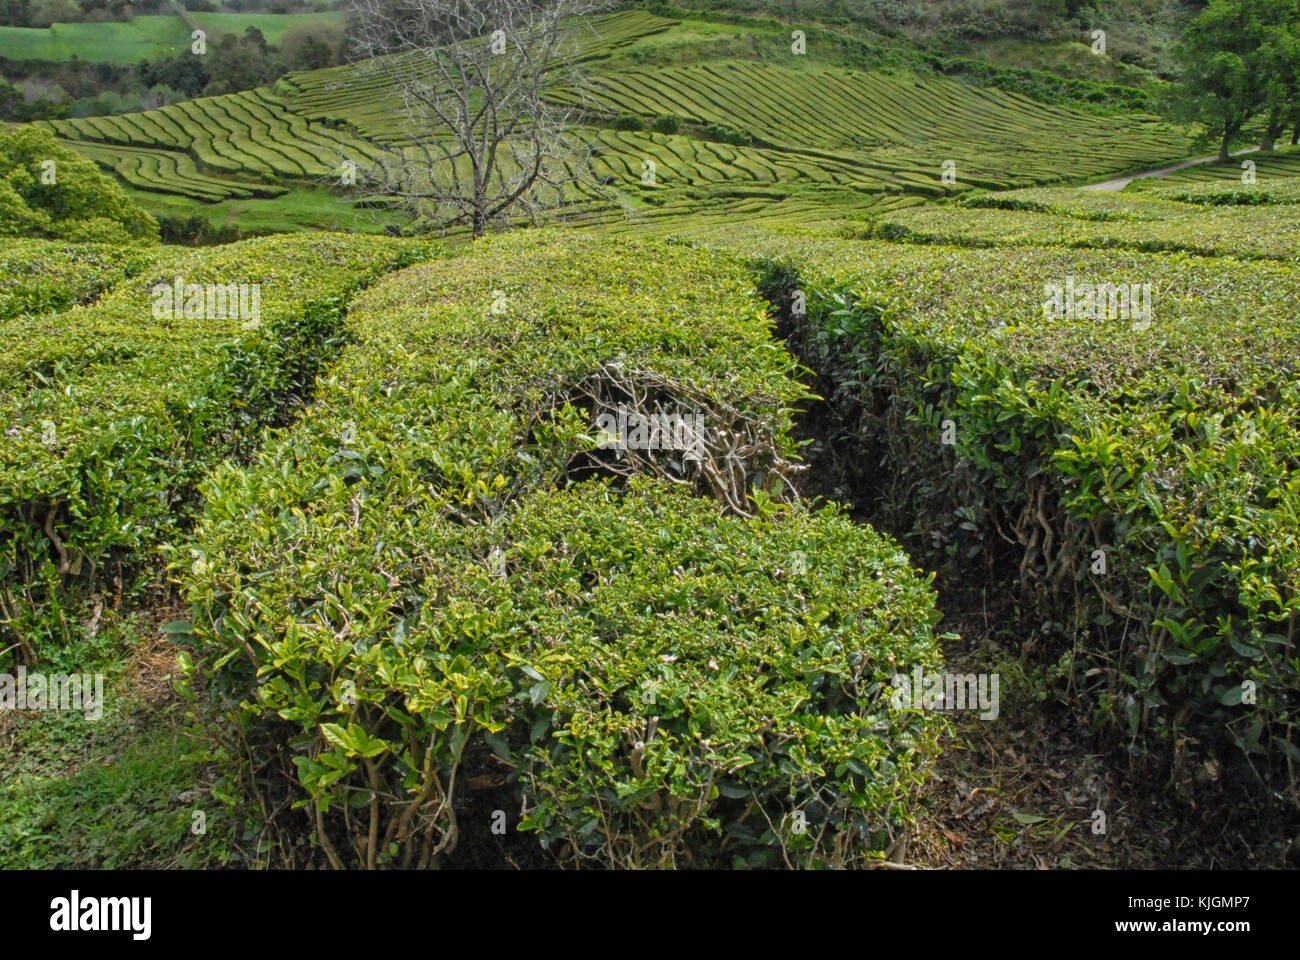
1171, 445
45, 276
113, 413
433, 603
1248, 232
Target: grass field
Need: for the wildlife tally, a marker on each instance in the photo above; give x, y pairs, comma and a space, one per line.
142, 38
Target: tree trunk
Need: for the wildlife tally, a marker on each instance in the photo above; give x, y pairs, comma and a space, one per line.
1295, 134
1271, 133
480, 222
1223, 147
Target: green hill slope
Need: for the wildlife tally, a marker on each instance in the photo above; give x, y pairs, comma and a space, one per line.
727, 112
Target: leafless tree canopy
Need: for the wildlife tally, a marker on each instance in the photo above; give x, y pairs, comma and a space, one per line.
482, 142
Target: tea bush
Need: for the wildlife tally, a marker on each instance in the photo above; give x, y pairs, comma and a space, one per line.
111, 415
45, 276
1259, 232
436, 580
1170, 445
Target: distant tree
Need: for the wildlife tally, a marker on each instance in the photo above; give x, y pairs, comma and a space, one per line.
484, 142
1279, 58
47, 190
11, 101
256, 38
311, 46
15, 13
184, 72
46, 12
236, 64
1228, 58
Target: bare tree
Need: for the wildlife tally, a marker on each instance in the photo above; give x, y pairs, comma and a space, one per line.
482, 141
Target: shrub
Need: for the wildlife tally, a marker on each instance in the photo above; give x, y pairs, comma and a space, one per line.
45, 276
113, 414
437, 579
80, 204
628, 121
1171, 449
667, 125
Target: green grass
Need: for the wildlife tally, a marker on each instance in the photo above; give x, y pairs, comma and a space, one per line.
144, 37
114, 793
301, 208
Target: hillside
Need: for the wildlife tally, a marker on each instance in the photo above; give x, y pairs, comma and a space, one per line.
747, 125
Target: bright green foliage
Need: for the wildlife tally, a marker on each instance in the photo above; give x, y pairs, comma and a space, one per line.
1171, 443
1080, 218
112, 413
414, 578
43, 276
49, 190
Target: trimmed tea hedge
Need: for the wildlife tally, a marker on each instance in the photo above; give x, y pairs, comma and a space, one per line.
1257, 232
45, 276
112, 414
1170, 444
1277, 190
433, 598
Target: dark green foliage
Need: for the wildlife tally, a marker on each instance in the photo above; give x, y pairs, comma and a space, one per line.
668, 124
1171, 446
427, 582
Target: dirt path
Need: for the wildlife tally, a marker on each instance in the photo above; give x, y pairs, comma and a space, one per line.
1119, 183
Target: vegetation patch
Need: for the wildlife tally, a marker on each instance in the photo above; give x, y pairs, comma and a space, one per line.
115, 411
422, 621
1126, 485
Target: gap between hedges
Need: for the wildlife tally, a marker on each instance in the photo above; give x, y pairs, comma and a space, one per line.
872, 445
60, 557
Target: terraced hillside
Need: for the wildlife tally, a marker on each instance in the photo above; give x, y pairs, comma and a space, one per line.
722, 130
1261, 226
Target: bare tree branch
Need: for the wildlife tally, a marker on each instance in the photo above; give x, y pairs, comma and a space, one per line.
482, 142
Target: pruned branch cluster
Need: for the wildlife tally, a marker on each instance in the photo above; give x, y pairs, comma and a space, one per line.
732, 454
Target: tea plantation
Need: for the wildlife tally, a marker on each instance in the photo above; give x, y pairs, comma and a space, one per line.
341, 519
777, 125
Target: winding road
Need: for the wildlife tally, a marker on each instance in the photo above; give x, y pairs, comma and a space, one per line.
1119, 183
